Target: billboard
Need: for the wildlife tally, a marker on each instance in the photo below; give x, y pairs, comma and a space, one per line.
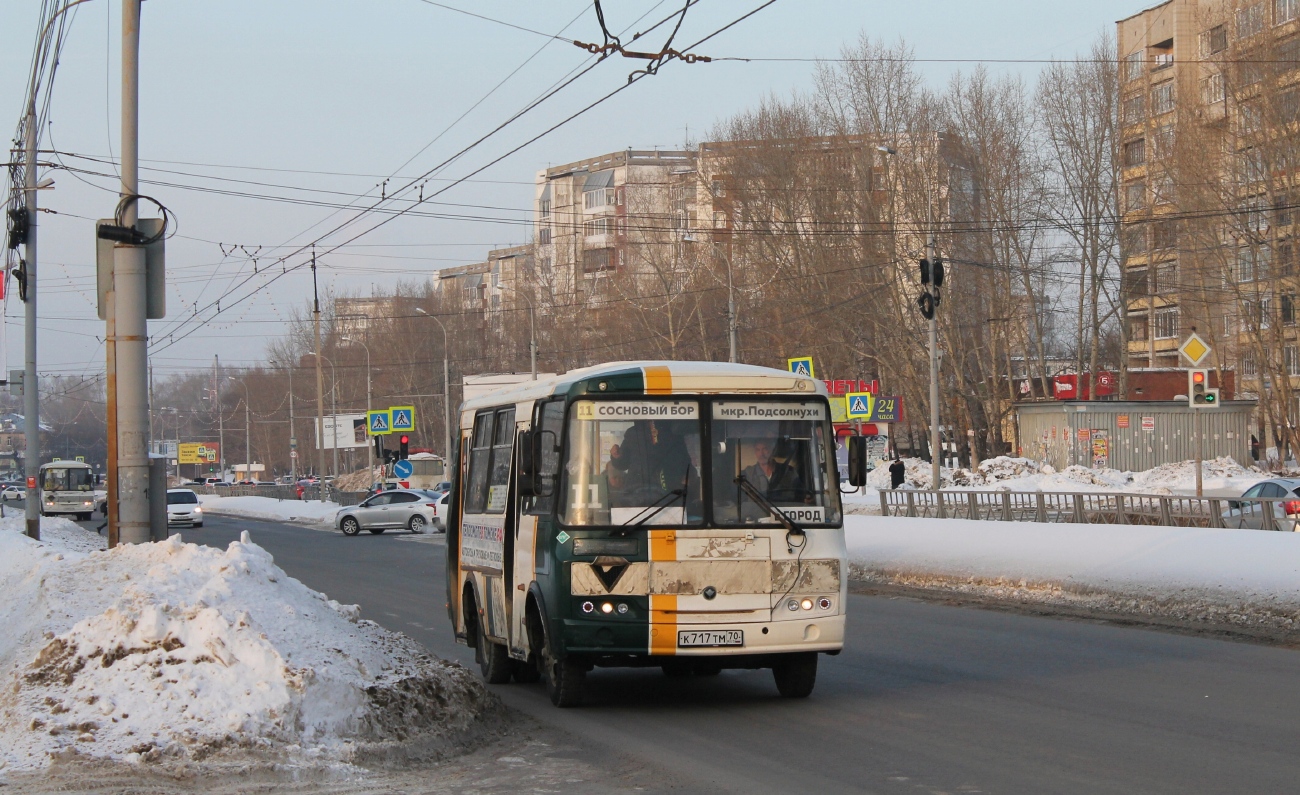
344, 431
197, 453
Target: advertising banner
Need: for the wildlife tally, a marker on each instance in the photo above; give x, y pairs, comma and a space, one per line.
197, 452
344, 431
482, 542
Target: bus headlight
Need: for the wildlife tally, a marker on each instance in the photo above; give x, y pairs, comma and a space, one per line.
606, 608
806, 604
792, 605
622, 609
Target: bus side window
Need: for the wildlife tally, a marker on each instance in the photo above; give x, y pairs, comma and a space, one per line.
503, 442
549, 425
479, 456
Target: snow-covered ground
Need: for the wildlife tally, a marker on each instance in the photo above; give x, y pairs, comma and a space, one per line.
311, 512
1175, 570
175, 652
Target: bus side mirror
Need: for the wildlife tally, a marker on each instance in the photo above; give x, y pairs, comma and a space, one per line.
528, 463
857, 461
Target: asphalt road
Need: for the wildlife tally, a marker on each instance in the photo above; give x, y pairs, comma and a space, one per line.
925, 698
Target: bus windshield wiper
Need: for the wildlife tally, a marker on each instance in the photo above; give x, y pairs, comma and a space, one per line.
654, 508
663, 502
762, 502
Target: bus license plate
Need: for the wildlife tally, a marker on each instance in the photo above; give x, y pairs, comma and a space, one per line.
710, 637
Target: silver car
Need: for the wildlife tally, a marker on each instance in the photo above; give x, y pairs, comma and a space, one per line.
1250, 511
400, 508
183, 508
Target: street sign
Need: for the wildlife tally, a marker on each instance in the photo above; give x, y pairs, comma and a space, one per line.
293, 453
81, 458
887, 408
802, 365
378, 423
403, 419
1194, 349
402, 470
860, 405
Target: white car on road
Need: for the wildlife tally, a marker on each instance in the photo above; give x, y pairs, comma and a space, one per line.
183, 508
13, 493
390, 510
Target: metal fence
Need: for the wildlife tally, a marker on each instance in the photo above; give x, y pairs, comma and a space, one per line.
278, 492
1102, 508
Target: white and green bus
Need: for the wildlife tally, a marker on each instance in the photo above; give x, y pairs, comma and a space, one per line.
67, 487
683, 515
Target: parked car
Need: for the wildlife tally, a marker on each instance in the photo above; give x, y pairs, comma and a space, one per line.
409, 508
13, 493
443, 501
1283, 515
442, 488
183, 508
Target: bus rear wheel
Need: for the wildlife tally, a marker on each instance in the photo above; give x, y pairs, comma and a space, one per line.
493, 659
796, 675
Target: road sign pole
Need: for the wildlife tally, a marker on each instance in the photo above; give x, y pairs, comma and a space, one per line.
1196, 428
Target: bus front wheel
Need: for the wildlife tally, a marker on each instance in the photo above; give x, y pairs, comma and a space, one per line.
796, 675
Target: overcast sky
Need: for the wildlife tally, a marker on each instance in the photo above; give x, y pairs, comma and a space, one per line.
246, 97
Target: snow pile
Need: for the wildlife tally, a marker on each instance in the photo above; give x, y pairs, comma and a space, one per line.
303, 511
176, 652
1217, 473
917, 474
1192, 570
360, 480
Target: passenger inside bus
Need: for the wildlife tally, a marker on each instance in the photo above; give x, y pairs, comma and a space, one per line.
652, 459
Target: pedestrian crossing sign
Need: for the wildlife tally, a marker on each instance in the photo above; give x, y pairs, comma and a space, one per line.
861, 405
378, 423
403, 419
801, 365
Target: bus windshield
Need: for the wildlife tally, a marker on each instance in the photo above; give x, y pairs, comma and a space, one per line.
640, 463
782, 450
633, 463
70, 479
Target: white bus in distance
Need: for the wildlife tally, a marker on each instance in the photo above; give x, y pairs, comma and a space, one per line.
67, 487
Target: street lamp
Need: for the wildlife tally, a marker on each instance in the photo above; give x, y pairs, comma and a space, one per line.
293, 437
731, 297
446, 390
370, 456
933, 321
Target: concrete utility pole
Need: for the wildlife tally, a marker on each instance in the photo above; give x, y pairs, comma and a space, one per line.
320, 382
248, 432
293, 436
446, 388
128, 331
935, 435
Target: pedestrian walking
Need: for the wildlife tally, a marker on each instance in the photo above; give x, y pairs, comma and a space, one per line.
897, 472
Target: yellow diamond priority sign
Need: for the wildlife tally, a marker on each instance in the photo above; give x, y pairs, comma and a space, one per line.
1194, 349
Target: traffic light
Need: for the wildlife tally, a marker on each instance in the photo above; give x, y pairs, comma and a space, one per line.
403, 451
936, 272
379, 447
925, 270
1199, 394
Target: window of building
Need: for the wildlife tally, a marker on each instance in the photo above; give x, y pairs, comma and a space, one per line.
1287, 56
1284, 11
1212, 89
1286, 308
1288, 106
1163, 60
1135, 195
1162, 186
546, 208
1250, 20
1250, 118
595, 260
1135, 152
1250, 166
1292, 360
1163, 140
1167, 323
1166, 278
1133, 239
1162, 98
1133, 66
1284, 261
1164, 235
544, 235
1214, 40
1135, 282
719, 189
1249, 365
1249, 73
1137, 328
595, 199
719, 219
1135, 108
596, 226
545, 265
